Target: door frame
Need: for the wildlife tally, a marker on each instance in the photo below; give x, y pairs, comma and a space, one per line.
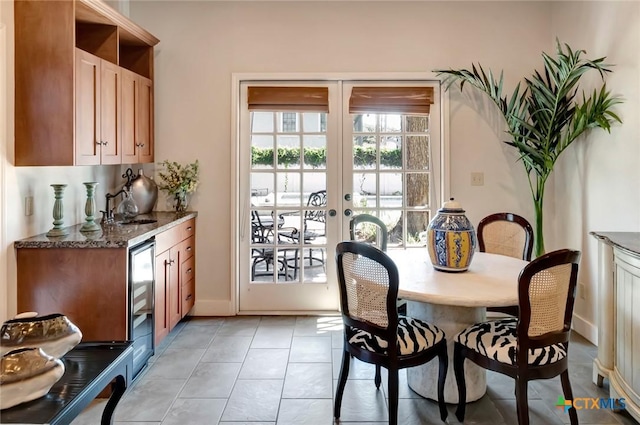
236, 102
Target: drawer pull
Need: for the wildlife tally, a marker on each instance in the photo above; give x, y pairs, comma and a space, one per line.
188, 297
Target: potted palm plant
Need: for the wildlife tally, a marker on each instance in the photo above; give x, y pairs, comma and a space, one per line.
547, 115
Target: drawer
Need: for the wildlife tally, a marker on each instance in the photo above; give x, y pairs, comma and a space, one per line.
168, 239
188, 296
187, 248
175, 235
188, 229
188, 269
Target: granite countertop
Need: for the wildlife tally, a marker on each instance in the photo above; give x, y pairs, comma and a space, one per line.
110, 236
629, 241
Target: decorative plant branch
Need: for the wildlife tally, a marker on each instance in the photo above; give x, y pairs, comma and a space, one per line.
547, 116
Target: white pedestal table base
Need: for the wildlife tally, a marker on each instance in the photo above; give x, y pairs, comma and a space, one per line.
451, 319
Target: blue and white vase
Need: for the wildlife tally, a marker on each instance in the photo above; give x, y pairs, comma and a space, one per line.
451, 239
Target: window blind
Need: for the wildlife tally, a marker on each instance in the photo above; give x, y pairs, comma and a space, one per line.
404, 100
315, 99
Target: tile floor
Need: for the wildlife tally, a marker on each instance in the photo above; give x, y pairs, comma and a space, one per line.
283, 370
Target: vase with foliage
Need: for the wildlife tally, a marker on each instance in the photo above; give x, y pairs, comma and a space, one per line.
178, 181
545, 117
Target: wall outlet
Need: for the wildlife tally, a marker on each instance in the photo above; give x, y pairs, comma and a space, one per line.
477, 179
28, 205
582, 291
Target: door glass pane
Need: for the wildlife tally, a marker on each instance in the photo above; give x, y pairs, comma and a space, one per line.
314, 182
395, 152
418, 196
391, 190
417, 222
365, 190
417, 152
288, 151
261, 151
364, 152
390, 123
391, 152
262, 122
364, 123
288, 122
315, 152
288, 188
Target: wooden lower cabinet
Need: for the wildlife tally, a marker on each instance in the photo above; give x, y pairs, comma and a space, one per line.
175, 277
88, 285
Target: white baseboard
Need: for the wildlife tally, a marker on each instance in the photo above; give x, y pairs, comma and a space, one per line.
585, 328
213, 308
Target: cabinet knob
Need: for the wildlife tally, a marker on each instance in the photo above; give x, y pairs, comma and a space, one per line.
189, 229
105, 143
189, 270
142, 145
188, 248
169, 262
188, 297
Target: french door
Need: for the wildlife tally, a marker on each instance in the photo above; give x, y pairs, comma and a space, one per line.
304, 173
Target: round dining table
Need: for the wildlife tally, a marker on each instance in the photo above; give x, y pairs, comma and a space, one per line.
453, 301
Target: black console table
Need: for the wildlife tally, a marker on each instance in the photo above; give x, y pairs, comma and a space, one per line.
89, 368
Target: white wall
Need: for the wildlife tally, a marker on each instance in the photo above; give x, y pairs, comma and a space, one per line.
203, 43
597, 182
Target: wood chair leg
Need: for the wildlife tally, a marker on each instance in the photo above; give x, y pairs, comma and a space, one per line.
378, 378
443, 359
522, 404
568, 395
393, 396
342, 381
458, 369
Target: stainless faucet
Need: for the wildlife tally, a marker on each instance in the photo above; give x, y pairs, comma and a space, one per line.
107, 215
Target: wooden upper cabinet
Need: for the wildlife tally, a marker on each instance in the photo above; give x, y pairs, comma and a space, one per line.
84, 85
137, 118
98, 91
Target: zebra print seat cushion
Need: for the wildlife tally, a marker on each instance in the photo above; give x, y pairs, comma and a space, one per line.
413, 336
497, 340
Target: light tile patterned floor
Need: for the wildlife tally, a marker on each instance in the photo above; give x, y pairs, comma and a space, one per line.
283, 370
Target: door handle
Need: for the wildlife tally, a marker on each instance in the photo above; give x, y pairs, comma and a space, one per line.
348, 212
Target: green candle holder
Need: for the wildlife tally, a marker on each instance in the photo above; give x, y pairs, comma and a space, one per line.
90, 209
58, 211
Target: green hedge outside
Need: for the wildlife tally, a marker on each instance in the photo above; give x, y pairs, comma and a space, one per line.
316, 157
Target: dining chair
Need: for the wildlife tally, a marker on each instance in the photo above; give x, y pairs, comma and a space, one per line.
507, 234
373, 330
361, 224
359, 230
534, 345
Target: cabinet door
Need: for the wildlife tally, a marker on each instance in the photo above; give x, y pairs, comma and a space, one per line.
110, 113
87, 109
144, 120
175, 300
161, 308
128, 112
